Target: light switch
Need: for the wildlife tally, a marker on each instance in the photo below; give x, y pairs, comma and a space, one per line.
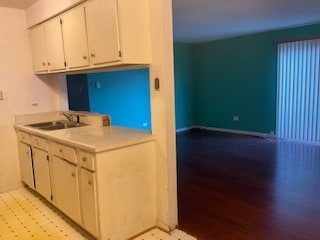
157, 84
98, 84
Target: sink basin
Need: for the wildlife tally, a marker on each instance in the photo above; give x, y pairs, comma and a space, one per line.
55, 125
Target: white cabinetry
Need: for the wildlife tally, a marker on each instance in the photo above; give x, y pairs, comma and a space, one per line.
41, 172
38, 47
66, 188
103, 32
95, 34
54, 45
111, 193
26, 163
47, 47
88, 201
75, 38
65, 180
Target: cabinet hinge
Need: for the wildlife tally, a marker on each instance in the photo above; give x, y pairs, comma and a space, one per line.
48, 157
120, 54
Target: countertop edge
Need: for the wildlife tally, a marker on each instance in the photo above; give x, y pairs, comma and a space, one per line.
83, 146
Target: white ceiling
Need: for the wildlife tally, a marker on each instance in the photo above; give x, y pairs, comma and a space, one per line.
20, 4
204, 20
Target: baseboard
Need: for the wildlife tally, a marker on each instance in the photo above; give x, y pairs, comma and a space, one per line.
257, 134
184, 129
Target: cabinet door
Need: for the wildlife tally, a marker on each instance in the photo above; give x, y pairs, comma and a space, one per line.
38, 48
88, 201
41, 172
26, 165
54, 45
75, 38
102, 28
66, 188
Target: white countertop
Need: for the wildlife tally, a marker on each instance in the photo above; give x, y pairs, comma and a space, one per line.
93, 138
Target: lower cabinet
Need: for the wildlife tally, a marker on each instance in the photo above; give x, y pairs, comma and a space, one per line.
111, 194
26, 164
66, 188
88, 201
41, 172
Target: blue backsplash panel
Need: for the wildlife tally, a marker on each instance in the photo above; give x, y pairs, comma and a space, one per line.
125, 95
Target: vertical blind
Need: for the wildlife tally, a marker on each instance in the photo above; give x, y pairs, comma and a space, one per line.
298, 110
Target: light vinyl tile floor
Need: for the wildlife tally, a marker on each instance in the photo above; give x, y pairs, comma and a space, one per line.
24, 216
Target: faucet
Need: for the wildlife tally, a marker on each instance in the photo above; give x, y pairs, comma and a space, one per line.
68, 116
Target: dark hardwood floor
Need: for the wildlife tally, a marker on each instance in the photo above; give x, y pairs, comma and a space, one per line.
236, 187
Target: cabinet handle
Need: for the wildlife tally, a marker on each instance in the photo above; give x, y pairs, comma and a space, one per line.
43, 64
60, 150
73, 174
93, 55
49, 64
84, 159
84, 57
90, 182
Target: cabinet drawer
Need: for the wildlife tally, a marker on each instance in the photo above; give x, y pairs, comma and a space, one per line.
24, 137
65, 152
86, 160
39, 142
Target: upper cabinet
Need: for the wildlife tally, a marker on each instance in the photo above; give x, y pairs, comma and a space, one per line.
103, 33
38, 47
95, 34
54, 45
75, 38
47, 47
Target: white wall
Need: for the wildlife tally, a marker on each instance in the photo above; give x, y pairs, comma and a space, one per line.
21, 88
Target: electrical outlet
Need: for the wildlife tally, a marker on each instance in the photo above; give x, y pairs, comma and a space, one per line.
98, 84
235, 118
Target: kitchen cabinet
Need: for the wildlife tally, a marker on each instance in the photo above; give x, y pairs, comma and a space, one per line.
88, 201
54, 45
94, 34
26, 164
75, 38
38, 47
41, 172
88, 192
106, 186
25, 156
47, 47
34, 163
66, 188
102, 31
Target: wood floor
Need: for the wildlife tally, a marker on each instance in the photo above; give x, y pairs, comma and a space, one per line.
235, 187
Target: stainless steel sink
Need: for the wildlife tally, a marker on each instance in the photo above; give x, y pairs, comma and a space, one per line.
55, 125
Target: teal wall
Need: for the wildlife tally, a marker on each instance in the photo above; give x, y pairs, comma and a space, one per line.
238, 76
125, 95
184, 86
